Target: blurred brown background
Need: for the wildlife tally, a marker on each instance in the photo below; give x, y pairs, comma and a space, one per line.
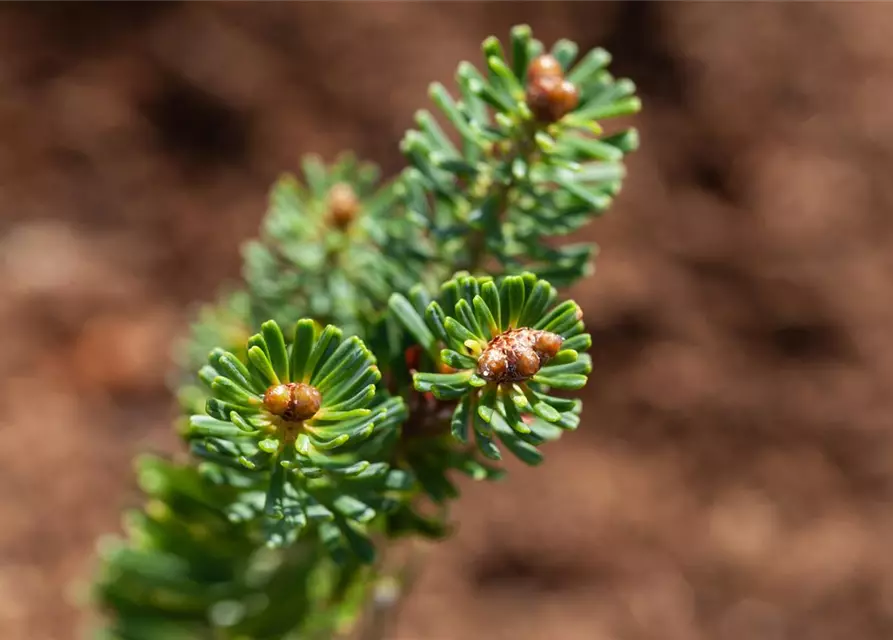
732, 479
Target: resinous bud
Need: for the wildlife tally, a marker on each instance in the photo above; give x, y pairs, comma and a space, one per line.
293, 402
343, 205
527, 363
550, 98
544, 66
548, 344
517, 354
492, 364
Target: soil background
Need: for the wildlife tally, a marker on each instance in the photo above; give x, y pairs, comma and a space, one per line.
733, 476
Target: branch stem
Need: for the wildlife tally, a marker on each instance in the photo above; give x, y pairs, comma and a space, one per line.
523, 147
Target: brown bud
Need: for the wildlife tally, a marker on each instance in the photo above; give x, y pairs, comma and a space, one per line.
550, 98
548, 345
492, 364
293, 402
568, 97
277, 398
517, 354
343, 205
527, 363
544, 66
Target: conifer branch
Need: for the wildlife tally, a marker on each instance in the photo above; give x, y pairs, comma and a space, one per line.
388, 336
